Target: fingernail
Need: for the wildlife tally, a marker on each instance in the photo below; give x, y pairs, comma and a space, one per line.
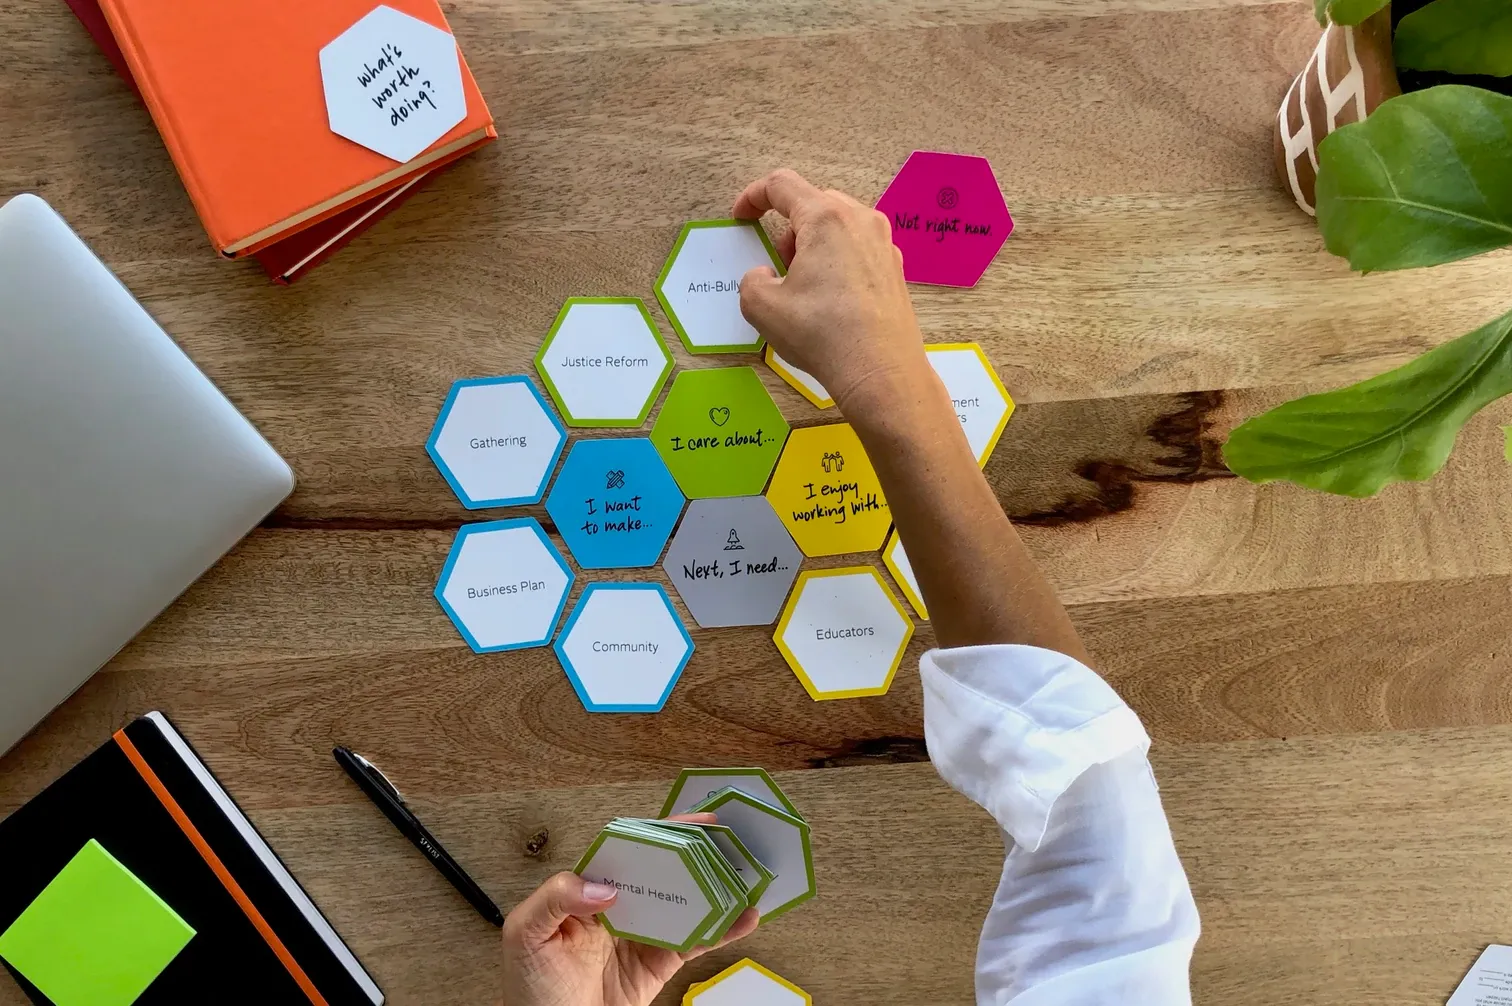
598, 892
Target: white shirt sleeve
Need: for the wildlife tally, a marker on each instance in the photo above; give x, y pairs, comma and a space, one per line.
1093, 908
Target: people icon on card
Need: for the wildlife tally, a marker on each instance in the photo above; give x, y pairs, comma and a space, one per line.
833, 461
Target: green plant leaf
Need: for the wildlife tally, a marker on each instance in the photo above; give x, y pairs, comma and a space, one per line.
1398, 426
1460, 36
1345, 11
1427, 178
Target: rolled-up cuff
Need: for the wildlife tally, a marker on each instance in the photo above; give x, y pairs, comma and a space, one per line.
1012, 727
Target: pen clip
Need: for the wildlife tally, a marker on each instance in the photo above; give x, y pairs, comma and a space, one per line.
376, 774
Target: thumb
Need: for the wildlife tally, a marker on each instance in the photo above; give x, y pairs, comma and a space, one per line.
538, 917
760, 292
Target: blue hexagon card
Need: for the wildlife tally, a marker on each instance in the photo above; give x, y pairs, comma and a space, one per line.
504, 585
495, 441
614, 503
623, 648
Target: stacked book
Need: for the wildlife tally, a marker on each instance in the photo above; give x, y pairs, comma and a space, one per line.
295, 126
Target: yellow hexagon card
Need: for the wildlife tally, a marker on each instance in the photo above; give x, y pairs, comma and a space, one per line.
843, 633
747, 983
827, 493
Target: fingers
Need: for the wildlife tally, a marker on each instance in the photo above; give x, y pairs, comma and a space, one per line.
743, 927
787, 246
538, 917
758, 301
783, 190
695, 818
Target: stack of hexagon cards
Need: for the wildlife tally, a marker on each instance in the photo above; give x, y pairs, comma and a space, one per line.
683, 885
746, 983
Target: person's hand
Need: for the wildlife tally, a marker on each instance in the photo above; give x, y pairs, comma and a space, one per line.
557, 954
842, 313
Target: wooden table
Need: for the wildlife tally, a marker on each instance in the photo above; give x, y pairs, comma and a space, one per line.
1326, 680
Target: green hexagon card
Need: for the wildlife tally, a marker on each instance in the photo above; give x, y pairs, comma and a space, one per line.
719, 432
603, 361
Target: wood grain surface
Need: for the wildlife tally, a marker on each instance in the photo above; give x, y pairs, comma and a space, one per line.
1327, 680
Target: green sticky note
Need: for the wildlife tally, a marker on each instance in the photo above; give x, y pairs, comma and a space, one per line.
96, 935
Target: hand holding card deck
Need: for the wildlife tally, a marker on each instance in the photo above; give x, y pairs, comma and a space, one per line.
684, 884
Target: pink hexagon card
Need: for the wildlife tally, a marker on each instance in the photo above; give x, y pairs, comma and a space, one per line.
948, 217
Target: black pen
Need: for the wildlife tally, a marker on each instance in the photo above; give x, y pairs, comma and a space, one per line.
389, 800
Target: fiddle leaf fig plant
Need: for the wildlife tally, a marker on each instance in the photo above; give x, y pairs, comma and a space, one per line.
1425, 179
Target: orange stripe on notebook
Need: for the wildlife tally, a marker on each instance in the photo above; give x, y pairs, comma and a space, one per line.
219, 868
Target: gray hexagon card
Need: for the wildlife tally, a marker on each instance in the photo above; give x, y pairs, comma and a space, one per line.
732, 561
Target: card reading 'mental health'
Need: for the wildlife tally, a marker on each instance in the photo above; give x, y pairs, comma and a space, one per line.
393, 83
948, 217
661, 902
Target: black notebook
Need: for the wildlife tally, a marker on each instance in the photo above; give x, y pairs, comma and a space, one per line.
224, 920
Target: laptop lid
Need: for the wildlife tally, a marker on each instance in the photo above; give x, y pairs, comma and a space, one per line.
124, 473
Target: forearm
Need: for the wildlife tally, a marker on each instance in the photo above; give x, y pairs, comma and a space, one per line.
978, 580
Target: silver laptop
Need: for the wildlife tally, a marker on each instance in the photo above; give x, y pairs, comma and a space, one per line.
124, 473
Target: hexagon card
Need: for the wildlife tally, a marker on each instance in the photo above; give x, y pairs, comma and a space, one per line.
843, 633
827, 493
623, 648
777, 838
801, 380
699, 287
603, 361
614, 503
896, 561
948, 217
495, 442
662, 899
747, 983
694, 785
981, 402
719, 432
393, 83
504, 585
732, 561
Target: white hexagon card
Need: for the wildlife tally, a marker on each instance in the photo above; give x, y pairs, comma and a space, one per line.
732, 561
694, 785
981, 402
504, 585
496, 442
603, 361
393, 83
896, 561
779, 839
623, 648
699, 286
843, 633
747, 983
660, 902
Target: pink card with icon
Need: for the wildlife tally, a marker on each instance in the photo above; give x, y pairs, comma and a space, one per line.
948, 217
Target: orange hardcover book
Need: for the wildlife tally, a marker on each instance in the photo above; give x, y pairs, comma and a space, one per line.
237, 91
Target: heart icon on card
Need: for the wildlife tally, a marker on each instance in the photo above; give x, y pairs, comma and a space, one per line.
719, 416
